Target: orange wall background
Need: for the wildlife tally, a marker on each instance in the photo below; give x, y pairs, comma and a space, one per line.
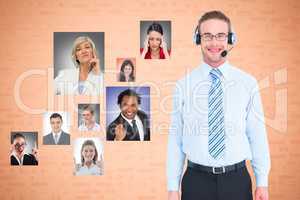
268, 47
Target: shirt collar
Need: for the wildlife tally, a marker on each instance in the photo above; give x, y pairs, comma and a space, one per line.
59, 133
129, 120
224, 68
86, 167
84, 124
22, 158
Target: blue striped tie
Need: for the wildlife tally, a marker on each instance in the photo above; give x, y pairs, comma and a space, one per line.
216, 136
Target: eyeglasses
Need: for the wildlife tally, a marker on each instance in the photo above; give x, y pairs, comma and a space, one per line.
18, 145
210, 37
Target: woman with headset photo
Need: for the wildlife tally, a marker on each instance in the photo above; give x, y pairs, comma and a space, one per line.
86, 77
155, 46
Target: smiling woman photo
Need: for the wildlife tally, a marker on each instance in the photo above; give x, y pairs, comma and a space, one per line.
90, 165
155, 46
127, 71
85, 78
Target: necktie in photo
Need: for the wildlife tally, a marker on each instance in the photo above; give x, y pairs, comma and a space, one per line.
135, 128
56, 138
216, 135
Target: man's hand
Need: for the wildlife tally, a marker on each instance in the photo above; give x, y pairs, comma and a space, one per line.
173, 195
261, 193
120, 132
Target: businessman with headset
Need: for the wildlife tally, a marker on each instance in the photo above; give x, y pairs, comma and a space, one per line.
217, 124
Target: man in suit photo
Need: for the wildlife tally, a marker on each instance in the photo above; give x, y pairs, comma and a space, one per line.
57, 135
132, 124
18, 155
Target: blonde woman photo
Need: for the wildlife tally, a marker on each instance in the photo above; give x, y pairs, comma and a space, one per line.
85, 78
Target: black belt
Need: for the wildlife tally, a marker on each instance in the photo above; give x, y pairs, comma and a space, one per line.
216, 170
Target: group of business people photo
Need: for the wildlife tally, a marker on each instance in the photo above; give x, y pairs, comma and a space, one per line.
79, 70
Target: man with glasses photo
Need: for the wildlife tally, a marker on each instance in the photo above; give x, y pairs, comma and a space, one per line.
217, 124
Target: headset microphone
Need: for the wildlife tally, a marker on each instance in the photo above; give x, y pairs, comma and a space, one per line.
225, 52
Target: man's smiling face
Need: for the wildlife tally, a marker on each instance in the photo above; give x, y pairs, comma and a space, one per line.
212, 50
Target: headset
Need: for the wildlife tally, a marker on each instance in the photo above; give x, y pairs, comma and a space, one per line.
197, 37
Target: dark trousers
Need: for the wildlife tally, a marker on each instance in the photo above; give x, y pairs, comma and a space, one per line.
234, 185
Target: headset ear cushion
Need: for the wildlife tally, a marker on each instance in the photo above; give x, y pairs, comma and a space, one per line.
198, 39
231, 38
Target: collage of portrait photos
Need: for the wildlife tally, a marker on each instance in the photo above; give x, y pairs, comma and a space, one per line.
79, 70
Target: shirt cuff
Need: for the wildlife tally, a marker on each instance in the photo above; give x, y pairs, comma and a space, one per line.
173, 185
261, 180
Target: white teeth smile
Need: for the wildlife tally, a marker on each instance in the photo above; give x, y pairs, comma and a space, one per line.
214, 50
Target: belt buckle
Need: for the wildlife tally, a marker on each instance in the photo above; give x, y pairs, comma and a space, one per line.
220, 172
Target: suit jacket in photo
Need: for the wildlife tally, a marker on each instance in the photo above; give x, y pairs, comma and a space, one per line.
28, 159
66, 83
130, 136
63, 140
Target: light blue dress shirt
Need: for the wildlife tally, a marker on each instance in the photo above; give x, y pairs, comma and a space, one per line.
246, 137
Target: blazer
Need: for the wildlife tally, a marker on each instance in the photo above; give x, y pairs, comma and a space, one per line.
110, 132
63, 140
28, 159
66, 83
